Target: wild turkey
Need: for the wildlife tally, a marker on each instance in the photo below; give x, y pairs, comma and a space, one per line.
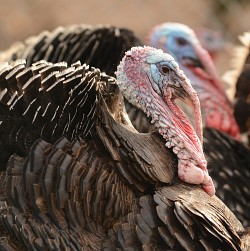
238, 79
90, 181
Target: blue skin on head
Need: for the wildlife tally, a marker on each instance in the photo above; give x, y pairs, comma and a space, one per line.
176, 39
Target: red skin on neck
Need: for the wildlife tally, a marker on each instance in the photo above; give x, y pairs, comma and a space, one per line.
216, 108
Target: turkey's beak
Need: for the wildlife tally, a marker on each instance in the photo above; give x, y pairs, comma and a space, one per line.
192, 62
179, 92
190, 58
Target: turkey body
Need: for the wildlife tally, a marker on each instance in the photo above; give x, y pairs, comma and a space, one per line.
94, 183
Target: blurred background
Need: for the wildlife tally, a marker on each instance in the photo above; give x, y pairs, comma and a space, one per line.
228, 18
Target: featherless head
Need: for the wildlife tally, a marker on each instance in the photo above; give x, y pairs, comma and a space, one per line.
174, 38
151, 80
181, 42
165, 30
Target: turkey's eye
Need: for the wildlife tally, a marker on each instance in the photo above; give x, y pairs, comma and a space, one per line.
181, 41
164, 69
